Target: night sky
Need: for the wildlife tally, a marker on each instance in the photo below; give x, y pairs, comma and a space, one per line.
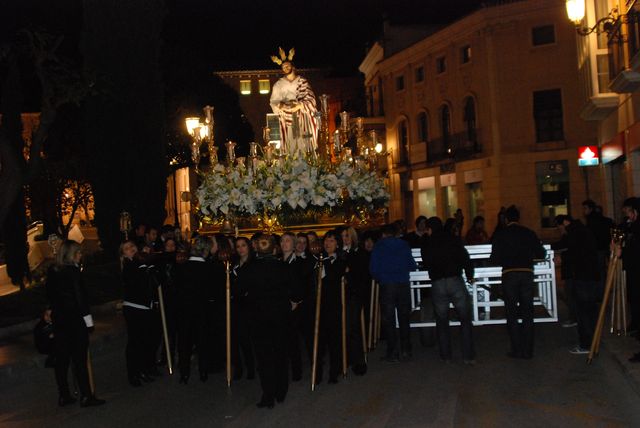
242, 34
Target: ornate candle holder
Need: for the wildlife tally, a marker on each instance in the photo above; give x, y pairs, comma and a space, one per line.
231, 153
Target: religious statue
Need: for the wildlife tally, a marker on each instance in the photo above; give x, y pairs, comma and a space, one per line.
293, 100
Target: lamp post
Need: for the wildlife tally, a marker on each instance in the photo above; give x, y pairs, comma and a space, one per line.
576, 12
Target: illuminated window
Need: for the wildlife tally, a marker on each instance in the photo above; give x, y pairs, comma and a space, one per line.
264, 86
245, 87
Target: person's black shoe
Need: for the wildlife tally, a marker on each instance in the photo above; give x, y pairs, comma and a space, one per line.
184, 379
145, 378
265, 404
251, 375
91, 401
66, 400
204, 377
333, 380
135, 382
280, 399
359, 369
635, 358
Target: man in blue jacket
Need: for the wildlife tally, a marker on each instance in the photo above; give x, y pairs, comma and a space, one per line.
391, 262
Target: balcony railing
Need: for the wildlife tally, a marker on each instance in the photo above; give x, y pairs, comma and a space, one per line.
456, 147
624, 48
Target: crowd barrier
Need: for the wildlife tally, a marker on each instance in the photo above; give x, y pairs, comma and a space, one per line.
485, 292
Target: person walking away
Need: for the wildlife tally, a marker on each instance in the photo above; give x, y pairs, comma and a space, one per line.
445, 258
515, 248
601, 227
391, 263
631, 261
72, 323
266, 283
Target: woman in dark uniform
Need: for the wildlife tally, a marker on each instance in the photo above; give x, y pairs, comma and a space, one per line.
241, 332
72, 323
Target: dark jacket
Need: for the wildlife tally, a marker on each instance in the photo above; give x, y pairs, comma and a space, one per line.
391, 261
139, 289
66, 293
201, 281
266, 283
600, 226
631, 248
516, 247
358, 277
414, 240
444, 256
334, 270
301, 272
582, 253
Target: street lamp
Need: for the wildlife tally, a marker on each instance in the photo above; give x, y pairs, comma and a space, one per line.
576, 13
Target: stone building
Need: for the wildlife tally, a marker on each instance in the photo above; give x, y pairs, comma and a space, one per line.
609, 74
484, 113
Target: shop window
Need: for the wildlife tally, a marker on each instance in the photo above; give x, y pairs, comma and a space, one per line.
547, 113
476, 200
450, 201
427, 202
552, 180
245, 87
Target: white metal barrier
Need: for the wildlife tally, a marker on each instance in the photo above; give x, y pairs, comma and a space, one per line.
487, 278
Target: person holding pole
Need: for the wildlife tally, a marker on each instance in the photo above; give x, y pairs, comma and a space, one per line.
266, 282
72, 323
329, 339
240, 315
391, 262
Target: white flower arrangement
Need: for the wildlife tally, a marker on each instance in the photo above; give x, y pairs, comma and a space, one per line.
292, 185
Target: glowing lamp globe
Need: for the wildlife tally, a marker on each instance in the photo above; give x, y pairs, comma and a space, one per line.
575, 10
192, 123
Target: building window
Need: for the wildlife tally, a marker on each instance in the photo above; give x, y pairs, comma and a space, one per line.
470, 119
543, 35
245, 87
399, 83
602, 61
264, 86
419, 74
445, 125
552, 179
547, 113
403, 141
465, 54
423, 130
441, 65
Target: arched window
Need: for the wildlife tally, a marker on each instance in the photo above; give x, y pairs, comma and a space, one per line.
403, 141
470, 119
423, 127
445, 124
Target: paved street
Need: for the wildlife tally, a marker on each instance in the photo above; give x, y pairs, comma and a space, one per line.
554, 389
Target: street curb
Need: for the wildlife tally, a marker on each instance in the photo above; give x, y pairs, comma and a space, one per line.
27, 326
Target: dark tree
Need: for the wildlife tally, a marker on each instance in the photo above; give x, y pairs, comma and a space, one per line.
124, 129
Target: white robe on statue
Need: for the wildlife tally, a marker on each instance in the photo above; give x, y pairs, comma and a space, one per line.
303, 123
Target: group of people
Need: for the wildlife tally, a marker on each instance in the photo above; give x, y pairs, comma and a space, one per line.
273, 282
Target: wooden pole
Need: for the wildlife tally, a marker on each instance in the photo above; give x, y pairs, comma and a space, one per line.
165, 332
344, 326
316, 328
92, 384
363, 330
379, 314
595, 342
228, 305
371, 310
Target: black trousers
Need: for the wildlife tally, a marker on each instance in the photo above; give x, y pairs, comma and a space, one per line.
212, 342
585, 296
140, 350
396, 297
293, 343
355, 350
241, 339
71, 345
453, 290
518, 290
270, 341
330, 340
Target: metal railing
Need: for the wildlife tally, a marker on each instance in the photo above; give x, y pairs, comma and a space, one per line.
487, 278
